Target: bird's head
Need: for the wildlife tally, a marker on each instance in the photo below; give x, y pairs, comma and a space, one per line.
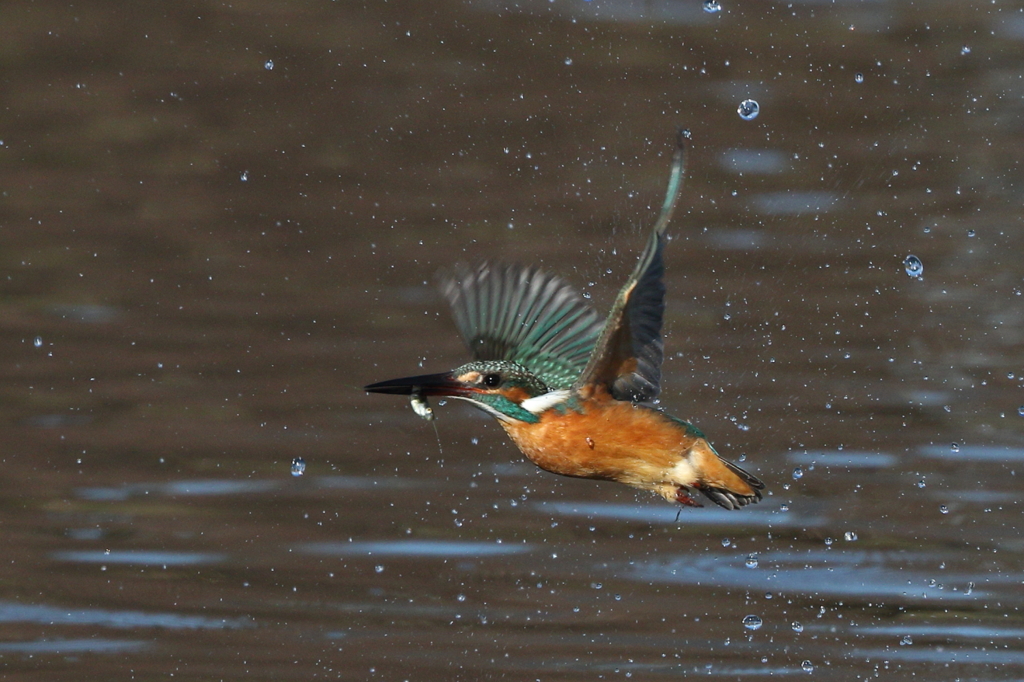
505, 389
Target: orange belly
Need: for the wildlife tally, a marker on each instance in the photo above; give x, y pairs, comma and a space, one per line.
610, 440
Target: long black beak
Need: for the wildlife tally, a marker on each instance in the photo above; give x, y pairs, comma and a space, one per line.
425, 384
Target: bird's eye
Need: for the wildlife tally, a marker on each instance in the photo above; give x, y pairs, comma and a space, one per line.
491, 380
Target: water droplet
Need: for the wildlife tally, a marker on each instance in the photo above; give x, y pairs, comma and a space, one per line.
943, 509
269, 65
907, 640
858, 78
807, 667
966, 49
1020, 410
244, 177
748, 110
751, 561
298, 466
921, 483
971, 233
568, 61
914, 266
850, 536
955, 447
828, 542
379, 568
797, 627
970, 588
726, 542
798, 473
752, 622
37, 342
461, 597
712, 6
784, 507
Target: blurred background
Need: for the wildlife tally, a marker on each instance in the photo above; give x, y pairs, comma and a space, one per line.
219, 221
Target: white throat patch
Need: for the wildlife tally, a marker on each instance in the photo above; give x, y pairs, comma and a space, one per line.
543, 403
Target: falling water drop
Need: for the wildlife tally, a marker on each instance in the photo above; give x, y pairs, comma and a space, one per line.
748, 110
914, 266
38, 343
269, 65
858, 78
298, 466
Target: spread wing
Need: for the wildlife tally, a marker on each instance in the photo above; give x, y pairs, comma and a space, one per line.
508, 312
627, 359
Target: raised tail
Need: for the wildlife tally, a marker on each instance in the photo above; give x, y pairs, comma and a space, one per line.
723, 482
731, 498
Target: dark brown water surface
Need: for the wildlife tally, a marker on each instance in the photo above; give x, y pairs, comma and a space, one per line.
219, 221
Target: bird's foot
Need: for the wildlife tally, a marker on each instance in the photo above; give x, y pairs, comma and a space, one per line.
684, 499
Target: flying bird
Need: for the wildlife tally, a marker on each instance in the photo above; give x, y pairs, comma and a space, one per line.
574, 392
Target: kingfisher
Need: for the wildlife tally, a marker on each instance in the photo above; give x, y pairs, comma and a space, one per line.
574, 392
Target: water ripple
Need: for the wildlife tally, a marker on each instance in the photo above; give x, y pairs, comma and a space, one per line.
409, 548
13, 612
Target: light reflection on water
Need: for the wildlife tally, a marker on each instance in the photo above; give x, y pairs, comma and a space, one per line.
842, 573
974, 453
75, 646
766, 514
12, 612
139, 557
415, 548
848, 460
211, 487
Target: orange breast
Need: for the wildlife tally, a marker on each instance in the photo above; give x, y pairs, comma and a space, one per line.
609, 440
